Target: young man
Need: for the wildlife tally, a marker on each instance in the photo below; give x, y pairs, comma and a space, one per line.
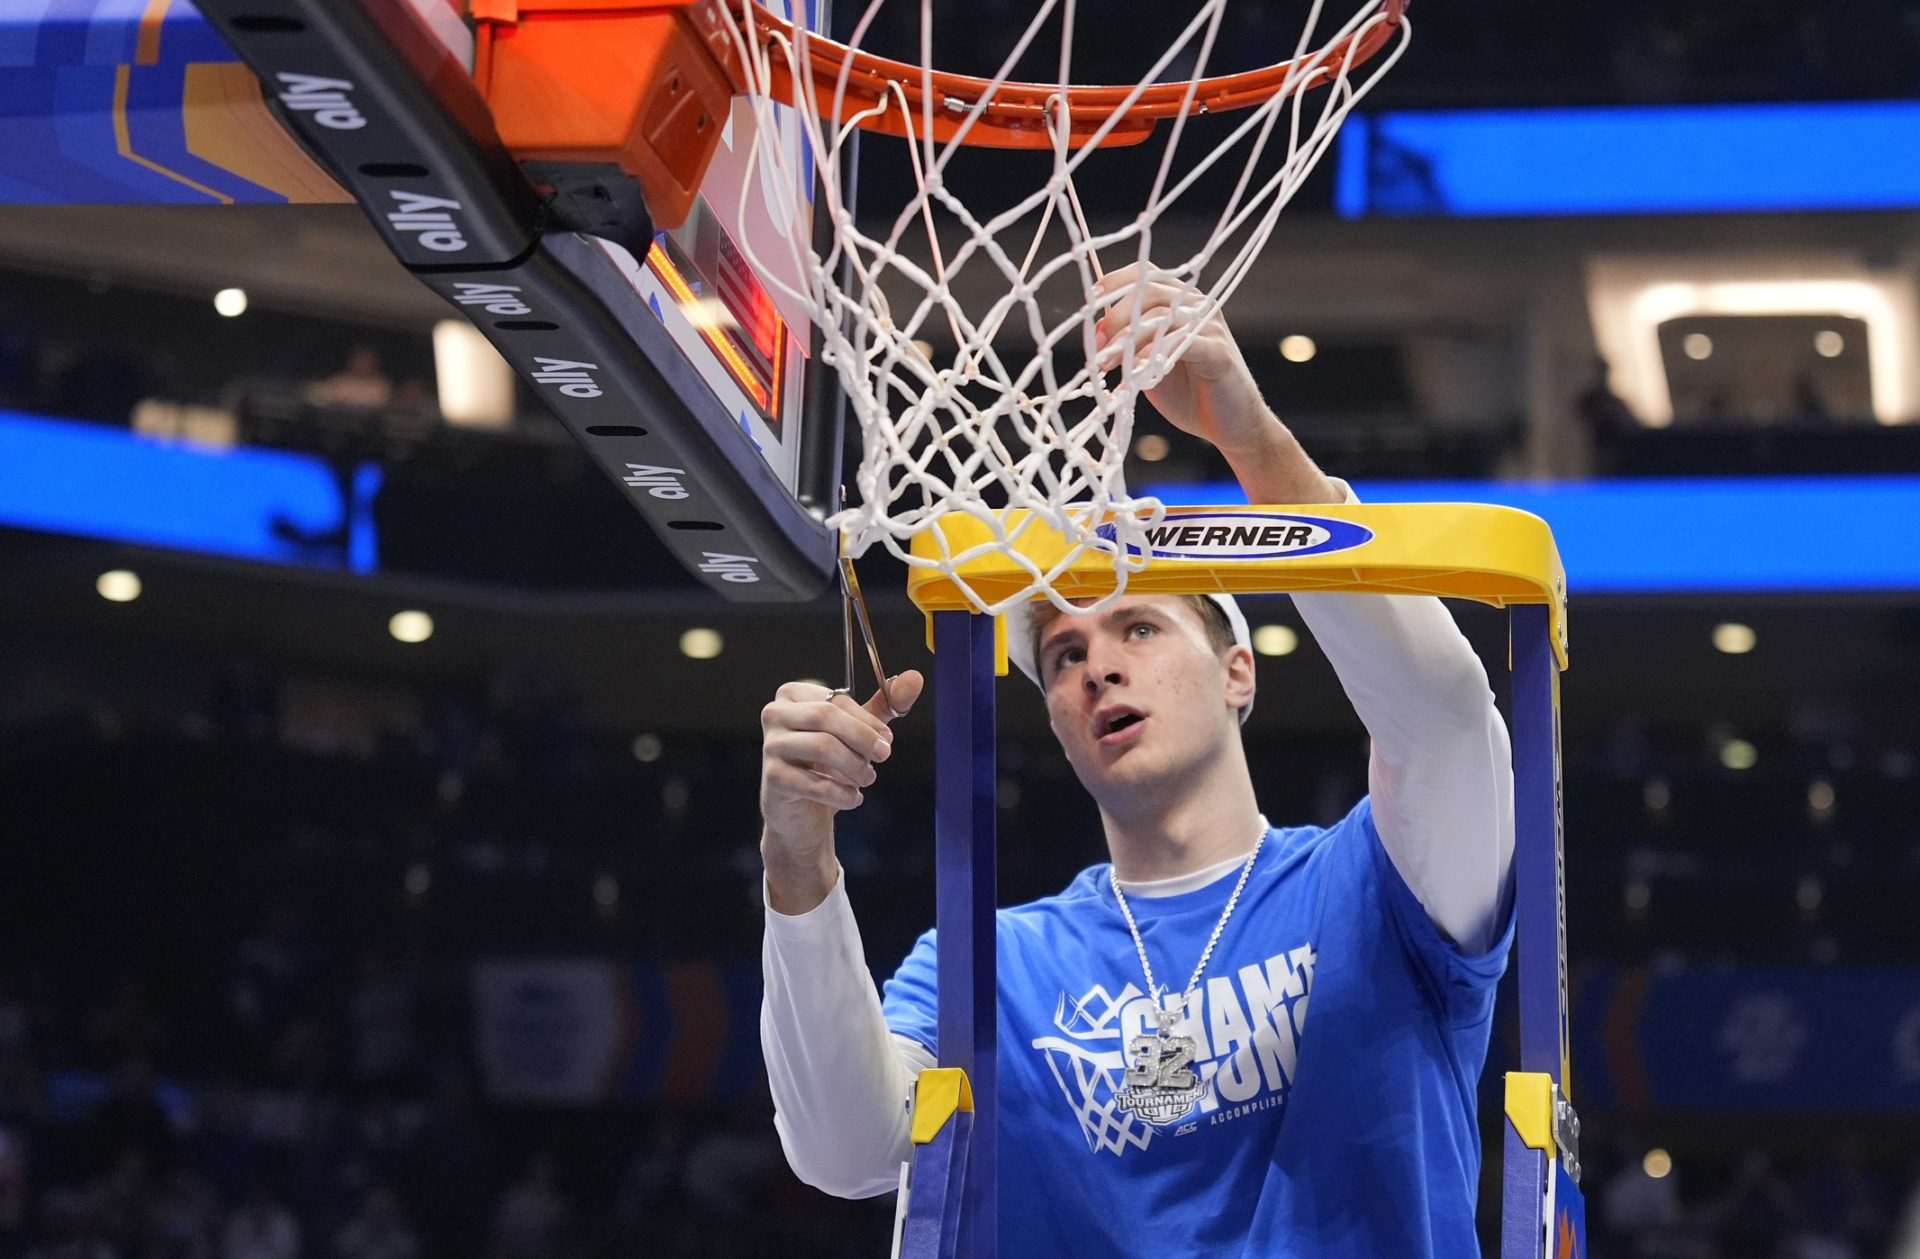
1162, 1090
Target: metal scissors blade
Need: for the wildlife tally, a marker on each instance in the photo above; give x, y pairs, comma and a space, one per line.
853, 607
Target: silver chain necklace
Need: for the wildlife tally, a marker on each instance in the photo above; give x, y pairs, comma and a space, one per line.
1160, 1081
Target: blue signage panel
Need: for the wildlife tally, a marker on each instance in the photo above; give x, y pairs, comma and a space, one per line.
1830, 1041
1691, 535
60, 476
1858, 155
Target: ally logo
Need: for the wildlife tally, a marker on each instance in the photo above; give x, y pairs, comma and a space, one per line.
1244, 535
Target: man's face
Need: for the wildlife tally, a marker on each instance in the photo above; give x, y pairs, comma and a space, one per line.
1137, 694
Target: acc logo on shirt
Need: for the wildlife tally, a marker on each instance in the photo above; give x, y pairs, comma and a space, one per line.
1244, 535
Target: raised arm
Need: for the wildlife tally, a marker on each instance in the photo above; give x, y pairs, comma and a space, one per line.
1440, 772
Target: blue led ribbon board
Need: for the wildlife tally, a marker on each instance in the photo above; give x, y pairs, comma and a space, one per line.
1698, 159
1691, 535
60, 476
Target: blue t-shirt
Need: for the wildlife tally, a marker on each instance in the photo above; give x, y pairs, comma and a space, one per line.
1350, 1134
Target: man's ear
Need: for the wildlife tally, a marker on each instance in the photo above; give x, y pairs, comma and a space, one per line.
1240, 679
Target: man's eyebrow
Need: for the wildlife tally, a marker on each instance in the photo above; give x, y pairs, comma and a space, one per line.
1116, 616
1112, 616
1055, 632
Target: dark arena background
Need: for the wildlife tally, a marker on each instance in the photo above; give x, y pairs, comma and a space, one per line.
379, 870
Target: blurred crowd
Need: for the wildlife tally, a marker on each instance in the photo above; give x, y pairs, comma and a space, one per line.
1500, 52
236, 1023
1830, 1200
127, 1165
402, 1163
124, 1164
1768, 50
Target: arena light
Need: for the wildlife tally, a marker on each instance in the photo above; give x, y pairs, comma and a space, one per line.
1152, 448
1738, 754
211, 428
647, 748
1734, 638
701, 644
473, 382
1275, 640
118, 586
762, 392
231, 302
1630, 299
1298, 349
1657, 1164
710, 314
410, 626
1829, 344
1697, 346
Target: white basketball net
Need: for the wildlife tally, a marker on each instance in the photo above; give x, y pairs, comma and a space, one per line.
1000, 424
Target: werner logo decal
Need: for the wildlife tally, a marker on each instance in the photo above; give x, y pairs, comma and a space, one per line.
1244, 535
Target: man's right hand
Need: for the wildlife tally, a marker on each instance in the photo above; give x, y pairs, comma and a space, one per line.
817, 755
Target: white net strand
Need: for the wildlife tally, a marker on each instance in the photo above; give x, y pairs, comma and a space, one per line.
1002, 424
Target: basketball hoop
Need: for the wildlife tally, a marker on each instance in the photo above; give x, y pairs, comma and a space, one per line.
854, 85
1000, 425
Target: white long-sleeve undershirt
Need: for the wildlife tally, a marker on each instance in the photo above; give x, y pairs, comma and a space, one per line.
1441, 778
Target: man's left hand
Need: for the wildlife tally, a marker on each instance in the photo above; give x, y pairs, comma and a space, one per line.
1208, 390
